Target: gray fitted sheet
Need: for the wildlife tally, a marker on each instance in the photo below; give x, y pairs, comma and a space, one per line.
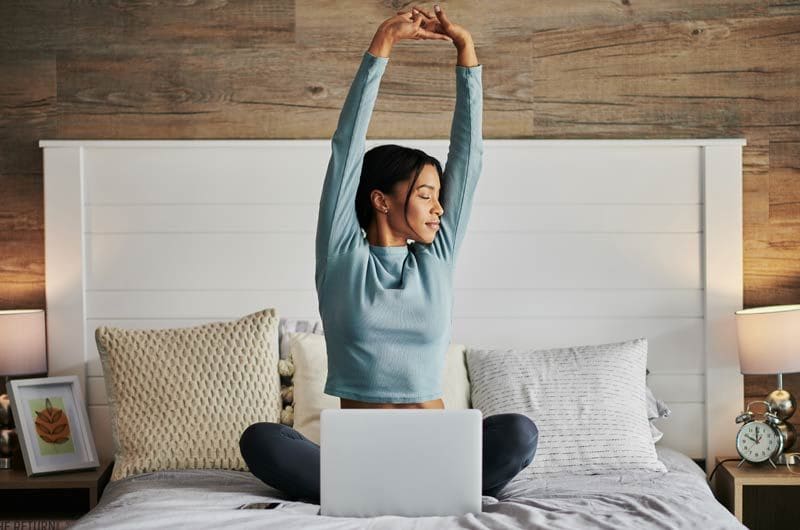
199, 499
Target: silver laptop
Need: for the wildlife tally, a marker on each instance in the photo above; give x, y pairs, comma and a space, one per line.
407, 462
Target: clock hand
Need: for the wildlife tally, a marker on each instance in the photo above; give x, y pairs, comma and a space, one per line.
750, 437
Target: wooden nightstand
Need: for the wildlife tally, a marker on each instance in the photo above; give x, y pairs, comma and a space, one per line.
56, 497
761, 497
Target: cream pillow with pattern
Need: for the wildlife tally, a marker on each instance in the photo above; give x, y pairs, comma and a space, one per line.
180, 398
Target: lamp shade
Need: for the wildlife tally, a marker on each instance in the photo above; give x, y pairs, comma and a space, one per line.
23, 346
769, 339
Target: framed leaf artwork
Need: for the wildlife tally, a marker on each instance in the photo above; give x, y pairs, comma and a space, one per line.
52, 425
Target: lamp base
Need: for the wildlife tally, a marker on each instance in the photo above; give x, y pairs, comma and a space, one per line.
5, 462
782, 403
784, 459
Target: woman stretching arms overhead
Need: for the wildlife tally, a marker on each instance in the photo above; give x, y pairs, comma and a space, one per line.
385, 304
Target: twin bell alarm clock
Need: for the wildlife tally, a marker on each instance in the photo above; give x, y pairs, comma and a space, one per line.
766, 439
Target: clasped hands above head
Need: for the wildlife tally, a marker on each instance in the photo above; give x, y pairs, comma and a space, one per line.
417, 23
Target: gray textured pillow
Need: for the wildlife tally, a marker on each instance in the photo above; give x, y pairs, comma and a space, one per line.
588, 402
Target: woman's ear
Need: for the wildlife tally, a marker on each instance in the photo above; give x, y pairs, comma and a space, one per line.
378, 200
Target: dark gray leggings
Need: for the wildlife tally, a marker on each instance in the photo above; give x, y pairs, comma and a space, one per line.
288, 461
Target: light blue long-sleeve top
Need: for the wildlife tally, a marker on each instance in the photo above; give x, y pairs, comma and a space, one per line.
386, 311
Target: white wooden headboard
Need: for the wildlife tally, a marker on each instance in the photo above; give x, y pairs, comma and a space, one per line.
570, 242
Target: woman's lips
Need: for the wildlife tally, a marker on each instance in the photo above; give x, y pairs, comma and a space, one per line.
433, 225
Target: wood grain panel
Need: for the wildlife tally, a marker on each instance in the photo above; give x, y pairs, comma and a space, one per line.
27, 108
21, 241
39, 25
212, 24
248, 93
21, 207
695, 78
773, 229
22, 269
784, 189
88, 24
772, 238
758, 386
330, 23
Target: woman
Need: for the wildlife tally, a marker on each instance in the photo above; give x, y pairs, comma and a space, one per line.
386, 305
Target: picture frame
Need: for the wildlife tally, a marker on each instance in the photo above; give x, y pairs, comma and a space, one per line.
52, 425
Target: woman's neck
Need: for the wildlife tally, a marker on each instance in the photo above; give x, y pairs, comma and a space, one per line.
382, 236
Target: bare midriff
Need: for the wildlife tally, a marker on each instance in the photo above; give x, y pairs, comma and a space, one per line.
353, 404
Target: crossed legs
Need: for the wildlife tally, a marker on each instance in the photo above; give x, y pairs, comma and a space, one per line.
283, 458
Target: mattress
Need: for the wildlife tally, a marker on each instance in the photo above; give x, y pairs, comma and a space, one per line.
199, 499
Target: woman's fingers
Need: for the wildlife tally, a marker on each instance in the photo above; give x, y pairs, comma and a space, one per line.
433, 35
426, 13
422, 25
428, 17
430, 23
441, 15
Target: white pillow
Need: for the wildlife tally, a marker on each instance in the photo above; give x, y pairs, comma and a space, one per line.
656, 409
455, 381
588, 402
309, 355
307, 351
294, 325
285, 366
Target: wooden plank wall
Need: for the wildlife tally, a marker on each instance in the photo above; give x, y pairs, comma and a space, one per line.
281, 69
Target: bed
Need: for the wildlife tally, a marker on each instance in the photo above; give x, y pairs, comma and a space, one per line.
209, 499
619, 238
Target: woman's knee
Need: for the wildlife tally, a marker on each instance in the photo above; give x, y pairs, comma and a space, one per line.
524, 432
259, 438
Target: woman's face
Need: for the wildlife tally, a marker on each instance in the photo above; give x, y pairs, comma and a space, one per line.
424, 208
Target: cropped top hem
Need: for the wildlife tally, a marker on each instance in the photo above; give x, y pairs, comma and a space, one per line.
383, 398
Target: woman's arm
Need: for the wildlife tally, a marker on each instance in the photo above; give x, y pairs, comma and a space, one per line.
382, 42
465, 154
337, 224
466, 54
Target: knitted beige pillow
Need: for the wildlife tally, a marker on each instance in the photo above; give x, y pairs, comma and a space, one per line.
181, 398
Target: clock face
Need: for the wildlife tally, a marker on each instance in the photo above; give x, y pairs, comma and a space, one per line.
757, 441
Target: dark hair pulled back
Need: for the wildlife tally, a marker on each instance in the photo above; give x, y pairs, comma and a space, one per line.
386, 165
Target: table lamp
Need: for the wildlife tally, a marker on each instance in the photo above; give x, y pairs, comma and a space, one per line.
769, 343
23, 352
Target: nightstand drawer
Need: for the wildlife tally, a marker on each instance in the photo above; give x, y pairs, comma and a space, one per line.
57, 496
771, 507
760, 496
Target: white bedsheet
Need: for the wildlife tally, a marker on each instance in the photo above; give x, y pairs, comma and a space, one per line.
199, 499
